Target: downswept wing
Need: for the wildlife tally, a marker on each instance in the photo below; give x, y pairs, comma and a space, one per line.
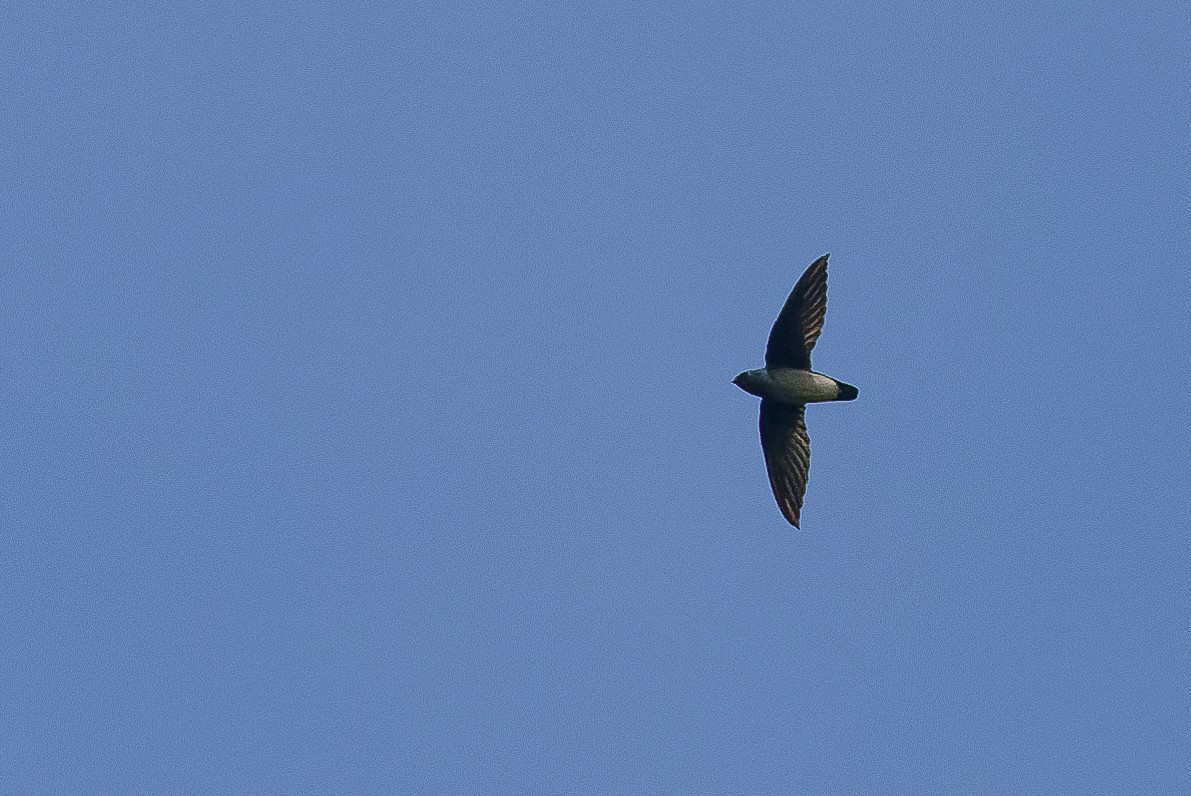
787, 449
800, 322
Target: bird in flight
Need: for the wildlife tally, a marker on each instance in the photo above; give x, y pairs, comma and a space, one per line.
787, 384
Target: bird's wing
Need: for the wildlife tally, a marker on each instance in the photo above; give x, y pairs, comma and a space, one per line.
801, 320
787, 451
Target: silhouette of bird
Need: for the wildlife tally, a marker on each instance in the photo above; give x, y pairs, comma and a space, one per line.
787, 384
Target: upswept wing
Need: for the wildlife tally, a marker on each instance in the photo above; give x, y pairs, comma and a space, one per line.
800, 322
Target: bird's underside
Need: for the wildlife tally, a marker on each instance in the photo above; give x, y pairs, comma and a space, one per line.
787, 383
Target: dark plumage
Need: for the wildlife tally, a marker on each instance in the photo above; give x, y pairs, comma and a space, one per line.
787, 383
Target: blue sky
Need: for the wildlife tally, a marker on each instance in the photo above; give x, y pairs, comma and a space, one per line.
366, 376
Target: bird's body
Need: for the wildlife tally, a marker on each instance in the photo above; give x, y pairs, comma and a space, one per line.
787, 383
792, 385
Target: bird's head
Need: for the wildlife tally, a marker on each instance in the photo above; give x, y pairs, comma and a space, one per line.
751, 381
